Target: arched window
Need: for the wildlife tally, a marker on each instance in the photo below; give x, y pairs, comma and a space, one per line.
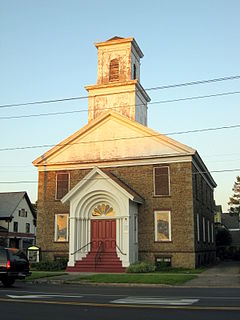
114, 70
103, 210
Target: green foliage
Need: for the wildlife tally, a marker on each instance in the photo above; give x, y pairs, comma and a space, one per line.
47, 265
234, 201
223, 238
141, 267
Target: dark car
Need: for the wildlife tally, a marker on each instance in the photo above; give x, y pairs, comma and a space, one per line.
13, 265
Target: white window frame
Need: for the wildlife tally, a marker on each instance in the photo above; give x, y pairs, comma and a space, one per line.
154, 184
198, 228
208, 231
55, 227
135, 228
169, 227
204, 229
212, 232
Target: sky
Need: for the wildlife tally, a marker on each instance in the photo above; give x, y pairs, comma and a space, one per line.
47, 52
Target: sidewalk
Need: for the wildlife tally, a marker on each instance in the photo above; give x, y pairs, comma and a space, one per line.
224, 274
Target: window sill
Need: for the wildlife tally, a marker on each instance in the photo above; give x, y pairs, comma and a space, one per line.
162, 196
165, 241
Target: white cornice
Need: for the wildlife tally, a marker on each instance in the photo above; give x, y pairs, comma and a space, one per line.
116, 163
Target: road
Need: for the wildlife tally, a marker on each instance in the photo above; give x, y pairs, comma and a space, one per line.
45, 301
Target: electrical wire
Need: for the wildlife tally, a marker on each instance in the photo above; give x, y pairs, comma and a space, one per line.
125, 106
148, 89
194, 173
122, 138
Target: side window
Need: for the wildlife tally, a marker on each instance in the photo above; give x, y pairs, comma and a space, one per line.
61, 227
198, 228
62, 185
114, 70
15, 226
162, 221
22, 213
204, 229
27, 227
161, 181
134, 72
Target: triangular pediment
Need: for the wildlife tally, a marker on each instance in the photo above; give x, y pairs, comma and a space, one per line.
96, 179
112, 137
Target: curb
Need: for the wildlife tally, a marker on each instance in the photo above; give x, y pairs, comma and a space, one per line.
127, 285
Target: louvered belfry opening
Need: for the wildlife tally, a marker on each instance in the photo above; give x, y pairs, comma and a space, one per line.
114, 70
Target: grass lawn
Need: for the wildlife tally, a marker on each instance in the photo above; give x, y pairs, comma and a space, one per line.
181, 270
43, 274
153, 278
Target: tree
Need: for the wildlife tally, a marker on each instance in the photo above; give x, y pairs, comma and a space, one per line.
234, 201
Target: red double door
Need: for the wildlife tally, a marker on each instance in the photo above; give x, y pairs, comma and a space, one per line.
103, 231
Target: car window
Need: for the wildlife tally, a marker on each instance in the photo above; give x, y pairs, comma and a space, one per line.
16, 254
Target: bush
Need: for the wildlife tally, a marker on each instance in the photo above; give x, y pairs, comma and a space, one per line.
141, 267
46, 265
162, 266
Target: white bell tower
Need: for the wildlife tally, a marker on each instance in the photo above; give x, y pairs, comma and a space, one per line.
118, 85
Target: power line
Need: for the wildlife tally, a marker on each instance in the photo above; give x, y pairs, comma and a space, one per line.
194, 173
148, 89
193, 83
122, 138
204, 130
126, 106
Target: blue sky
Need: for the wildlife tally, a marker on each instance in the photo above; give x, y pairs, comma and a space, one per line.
47, 52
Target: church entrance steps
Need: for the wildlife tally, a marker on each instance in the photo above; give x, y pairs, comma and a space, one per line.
108, 262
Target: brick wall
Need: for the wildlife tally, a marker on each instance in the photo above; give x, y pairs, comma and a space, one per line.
183, 208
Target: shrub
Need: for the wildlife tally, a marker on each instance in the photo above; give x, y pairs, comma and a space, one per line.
141, 267
46, 265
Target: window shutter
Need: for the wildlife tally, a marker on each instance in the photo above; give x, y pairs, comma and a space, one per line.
114, 70
62, 185
161, 181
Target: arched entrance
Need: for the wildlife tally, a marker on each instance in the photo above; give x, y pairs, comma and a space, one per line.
101, 212
103, 228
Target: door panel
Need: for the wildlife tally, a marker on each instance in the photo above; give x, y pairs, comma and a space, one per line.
105, 231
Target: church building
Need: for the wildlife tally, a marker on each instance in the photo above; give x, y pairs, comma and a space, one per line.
116, 192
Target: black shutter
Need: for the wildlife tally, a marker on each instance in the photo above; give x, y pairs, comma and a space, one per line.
161, 181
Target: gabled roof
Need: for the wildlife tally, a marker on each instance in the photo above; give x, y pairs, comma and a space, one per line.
99, 121
115, 38
230, 221
113, 180
123, 142
9, 202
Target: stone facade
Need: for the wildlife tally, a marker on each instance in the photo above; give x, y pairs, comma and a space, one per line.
182, 203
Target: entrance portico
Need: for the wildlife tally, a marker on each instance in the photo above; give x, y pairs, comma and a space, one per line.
103, 210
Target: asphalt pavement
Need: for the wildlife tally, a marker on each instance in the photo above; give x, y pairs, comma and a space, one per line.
43, 301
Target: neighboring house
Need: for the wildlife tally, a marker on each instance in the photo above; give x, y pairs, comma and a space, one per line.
17, 220
118, 191
218, 215
232, 223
